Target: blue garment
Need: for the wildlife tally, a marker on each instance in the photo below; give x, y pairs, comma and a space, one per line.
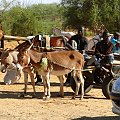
114, 42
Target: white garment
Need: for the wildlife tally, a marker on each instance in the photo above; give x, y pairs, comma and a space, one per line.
12, 75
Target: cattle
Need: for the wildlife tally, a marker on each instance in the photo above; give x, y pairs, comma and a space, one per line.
56, 63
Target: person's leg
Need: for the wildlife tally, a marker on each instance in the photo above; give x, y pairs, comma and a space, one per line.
67, 82
111, 58
39, 79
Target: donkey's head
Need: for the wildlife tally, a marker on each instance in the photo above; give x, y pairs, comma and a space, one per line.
23, 58
6, 60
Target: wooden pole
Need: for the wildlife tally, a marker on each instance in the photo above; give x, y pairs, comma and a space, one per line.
14, 38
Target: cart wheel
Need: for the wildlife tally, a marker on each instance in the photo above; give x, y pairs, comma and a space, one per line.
108, 82
88, 82
107, 86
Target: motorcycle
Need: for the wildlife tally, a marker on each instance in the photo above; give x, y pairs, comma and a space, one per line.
98, 73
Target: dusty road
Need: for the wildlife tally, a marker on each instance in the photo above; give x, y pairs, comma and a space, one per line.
94, 106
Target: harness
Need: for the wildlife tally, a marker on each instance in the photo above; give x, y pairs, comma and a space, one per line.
11, 67
46, 61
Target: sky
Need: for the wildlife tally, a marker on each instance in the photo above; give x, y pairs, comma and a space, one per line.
38, 1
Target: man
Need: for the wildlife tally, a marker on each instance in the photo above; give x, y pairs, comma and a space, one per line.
115, 41
105, 48
80, 40
81, 46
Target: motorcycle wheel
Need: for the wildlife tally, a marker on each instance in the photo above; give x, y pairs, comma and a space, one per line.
88, 78
108, 82
98, 76
107, 86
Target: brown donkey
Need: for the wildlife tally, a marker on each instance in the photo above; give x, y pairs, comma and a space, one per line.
56, 63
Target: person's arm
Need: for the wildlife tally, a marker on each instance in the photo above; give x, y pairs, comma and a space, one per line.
109, 50
97, 51
85, 43
70, 40
69, 43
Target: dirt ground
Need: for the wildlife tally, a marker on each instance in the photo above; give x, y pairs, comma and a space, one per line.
94, 106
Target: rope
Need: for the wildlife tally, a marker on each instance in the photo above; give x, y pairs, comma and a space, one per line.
66, 67
9, 68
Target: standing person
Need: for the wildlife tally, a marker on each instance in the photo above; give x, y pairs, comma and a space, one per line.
81, 46
105, 47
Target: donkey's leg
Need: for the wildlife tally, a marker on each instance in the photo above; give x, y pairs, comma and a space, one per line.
33, 83
79, 74
45, 87
48, 84
61, 85
25, 83
77, 87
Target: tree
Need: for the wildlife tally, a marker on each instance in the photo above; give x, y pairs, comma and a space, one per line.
4, 5
23, 21
48, 16
92, 14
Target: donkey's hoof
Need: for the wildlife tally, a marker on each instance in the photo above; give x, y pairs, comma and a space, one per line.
44, 97
73, 97
22, 95
33, 96
59, 95
81, 98
48, 97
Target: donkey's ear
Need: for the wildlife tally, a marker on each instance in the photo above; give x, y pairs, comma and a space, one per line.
6, 49
30, 47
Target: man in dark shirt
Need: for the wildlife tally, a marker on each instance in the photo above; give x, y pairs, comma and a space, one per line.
80, 40
81, 46
105, 47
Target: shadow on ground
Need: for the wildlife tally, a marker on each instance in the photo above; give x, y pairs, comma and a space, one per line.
39, 95
99, 118
15, 95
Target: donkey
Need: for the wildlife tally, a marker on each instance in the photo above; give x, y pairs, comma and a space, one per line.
8, 63
56, 63
9, 60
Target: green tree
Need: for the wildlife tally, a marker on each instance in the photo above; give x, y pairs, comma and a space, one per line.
48, 16
4, 6
23, 21
92, 14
